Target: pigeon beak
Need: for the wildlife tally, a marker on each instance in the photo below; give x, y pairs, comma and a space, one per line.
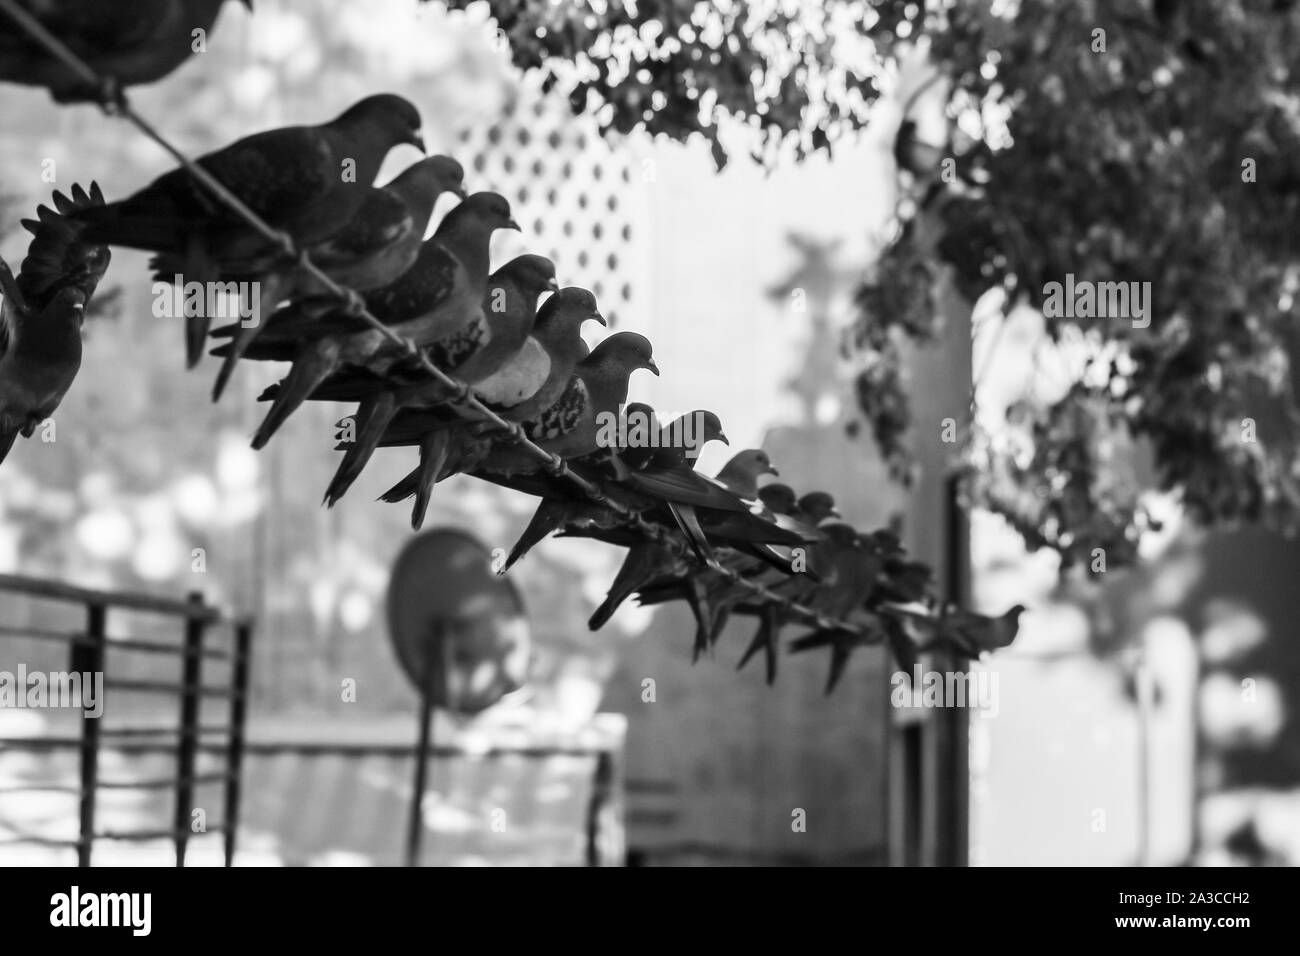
597, 317
552, 285
416, 140
723, 438
835, 513
460, 190
771, 470
650, 364
514, 225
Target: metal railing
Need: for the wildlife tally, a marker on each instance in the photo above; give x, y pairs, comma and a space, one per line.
93, 651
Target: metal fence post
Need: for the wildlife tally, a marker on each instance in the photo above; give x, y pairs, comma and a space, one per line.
235, 746
87, 658
952, 844
602, 786
191, 671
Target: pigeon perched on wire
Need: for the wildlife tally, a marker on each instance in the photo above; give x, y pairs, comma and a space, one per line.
817, 506
958, 630
573, 425
378, 245
570, 427
41, 315
781, 500
515, 287
841, 642
464, 245
127, 42
705, 513
851, 565
557, 333
724, 543
760, 560
423, 293
466, 344
564, 506
305, 181
761, 543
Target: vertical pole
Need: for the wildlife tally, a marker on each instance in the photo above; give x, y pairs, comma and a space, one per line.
1198, 777
191, 671
888, 744
235, 743
933, 785
88, 658
906, 793
415, 825
602, 787
1144, 693
952, 843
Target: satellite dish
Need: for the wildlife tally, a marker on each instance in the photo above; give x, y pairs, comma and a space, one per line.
458, 628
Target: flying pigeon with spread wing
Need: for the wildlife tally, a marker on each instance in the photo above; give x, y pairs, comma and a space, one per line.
41, 315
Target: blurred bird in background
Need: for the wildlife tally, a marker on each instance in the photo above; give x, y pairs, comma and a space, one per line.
128, 42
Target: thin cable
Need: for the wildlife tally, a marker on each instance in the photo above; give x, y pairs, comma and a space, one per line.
113, 101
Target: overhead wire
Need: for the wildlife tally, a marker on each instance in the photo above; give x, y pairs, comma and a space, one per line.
113, 101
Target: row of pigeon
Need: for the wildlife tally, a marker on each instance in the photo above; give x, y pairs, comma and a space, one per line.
727, 545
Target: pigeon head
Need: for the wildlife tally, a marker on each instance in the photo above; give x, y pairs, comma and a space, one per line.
640, 410
841, 534
391, 118
565, 311
626, 350
533, 274
433, 175
491, 209
778, 497
753, 461
559, 323
640, 420
886, 541
696, 429
818, 506
742, 472
68, 303
451, 175
89, 268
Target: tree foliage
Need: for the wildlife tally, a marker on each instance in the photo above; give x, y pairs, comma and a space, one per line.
1146, 141
798, 72
1130, 142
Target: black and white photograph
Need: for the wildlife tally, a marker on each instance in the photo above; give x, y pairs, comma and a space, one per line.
650, 433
